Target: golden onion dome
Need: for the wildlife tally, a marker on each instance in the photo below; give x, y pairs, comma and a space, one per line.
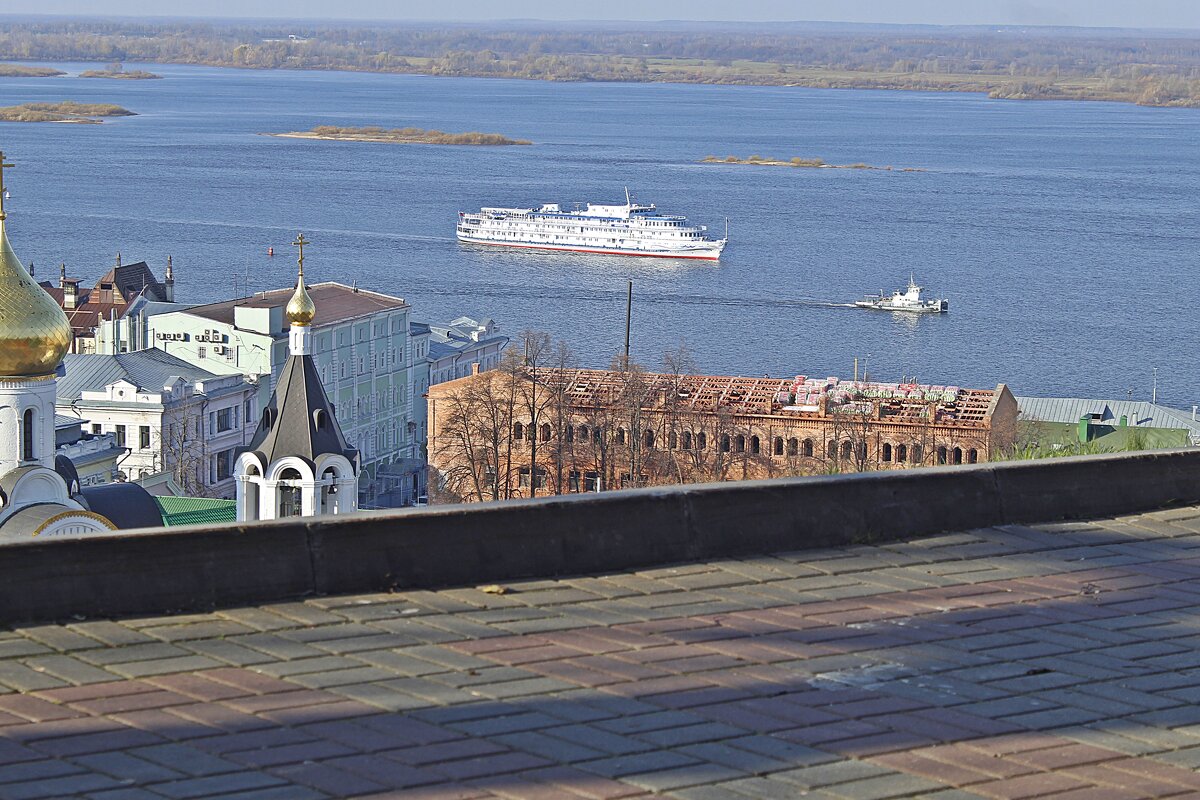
34, 332
300, 309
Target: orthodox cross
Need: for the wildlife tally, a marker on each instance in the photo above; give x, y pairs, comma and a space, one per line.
300, 242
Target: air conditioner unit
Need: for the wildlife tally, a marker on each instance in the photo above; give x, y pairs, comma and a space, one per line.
219, 350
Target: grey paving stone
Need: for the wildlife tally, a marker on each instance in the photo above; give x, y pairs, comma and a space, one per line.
886, 786
830, 774
70, 670
721, 752
303, 614
132, 653
638, 723
716, 791
32, 771
23, 679
670, 780
259, 619
164, 666
58, 638
126, 767
278, 647
64, 787
216, 785
186, 759
126, 793
208, 628
110, 633
590, 736
546, 746
691, 734
506, 723
641, 764
795, 755
383, 697
340, 677
229, 652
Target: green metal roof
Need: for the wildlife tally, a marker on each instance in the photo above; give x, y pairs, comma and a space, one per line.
195, 510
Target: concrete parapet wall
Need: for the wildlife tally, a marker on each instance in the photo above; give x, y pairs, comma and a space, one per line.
159, 571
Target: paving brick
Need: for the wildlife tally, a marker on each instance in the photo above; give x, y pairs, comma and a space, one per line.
23, 679
386, 771
126, 767
67, 786
489, 765
68, 669
214, 715
125, 793
198, 686
888, 786
590, 736
1039, 784
58, 638
185, 759
222, 744
442, 752
217, 785
162, 666
640, 763
223, 650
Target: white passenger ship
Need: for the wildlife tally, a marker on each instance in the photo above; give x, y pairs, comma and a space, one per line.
628, 230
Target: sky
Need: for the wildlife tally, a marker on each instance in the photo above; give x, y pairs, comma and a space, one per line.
1089, 13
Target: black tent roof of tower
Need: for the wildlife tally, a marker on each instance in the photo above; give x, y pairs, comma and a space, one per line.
299, 420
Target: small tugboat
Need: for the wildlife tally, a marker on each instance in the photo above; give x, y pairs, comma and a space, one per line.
908, 300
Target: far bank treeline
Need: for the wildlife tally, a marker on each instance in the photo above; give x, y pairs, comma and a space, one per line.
1134, 66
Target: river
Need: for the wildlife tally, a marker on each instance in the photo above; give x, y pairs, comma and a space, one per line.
1065, 234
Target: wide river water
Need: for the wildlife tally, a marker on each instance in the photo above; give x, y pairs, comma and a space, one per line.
1066, 235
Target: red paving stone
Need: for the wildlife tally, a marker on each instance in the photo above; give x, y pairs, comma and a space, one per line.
937, 683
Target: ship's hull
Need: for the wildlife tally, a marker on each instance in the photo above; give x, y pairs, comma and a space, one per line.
939, 308
701, 254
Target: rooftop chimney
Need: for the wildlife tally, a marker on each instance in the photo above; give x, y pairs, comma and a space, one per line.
118, 258
169, 283
70, 294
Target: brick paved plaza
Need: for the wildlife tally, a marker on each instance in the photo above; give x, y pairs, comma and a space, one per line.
1051, 662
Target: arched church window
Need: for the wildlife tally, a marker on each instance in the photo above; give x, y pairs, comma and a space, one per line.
289, 493
27, 436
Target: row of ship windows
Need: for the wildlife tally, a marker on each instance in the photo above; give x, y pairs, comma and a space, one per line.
589, 230
626, 235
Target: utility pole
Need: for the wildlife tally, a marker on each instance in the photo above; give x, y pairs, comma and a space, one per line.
628, 317
1154, 389
856, 369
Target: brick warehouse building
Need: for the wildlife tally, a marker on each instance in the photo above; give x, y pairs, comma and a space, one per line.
533, 432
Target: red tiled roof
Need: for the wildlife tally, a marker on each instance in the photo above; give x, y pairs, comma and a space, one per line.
335, 303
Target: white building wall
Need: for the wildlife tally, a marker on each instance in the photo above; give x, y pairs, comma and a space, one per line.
365, 364
177, 434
